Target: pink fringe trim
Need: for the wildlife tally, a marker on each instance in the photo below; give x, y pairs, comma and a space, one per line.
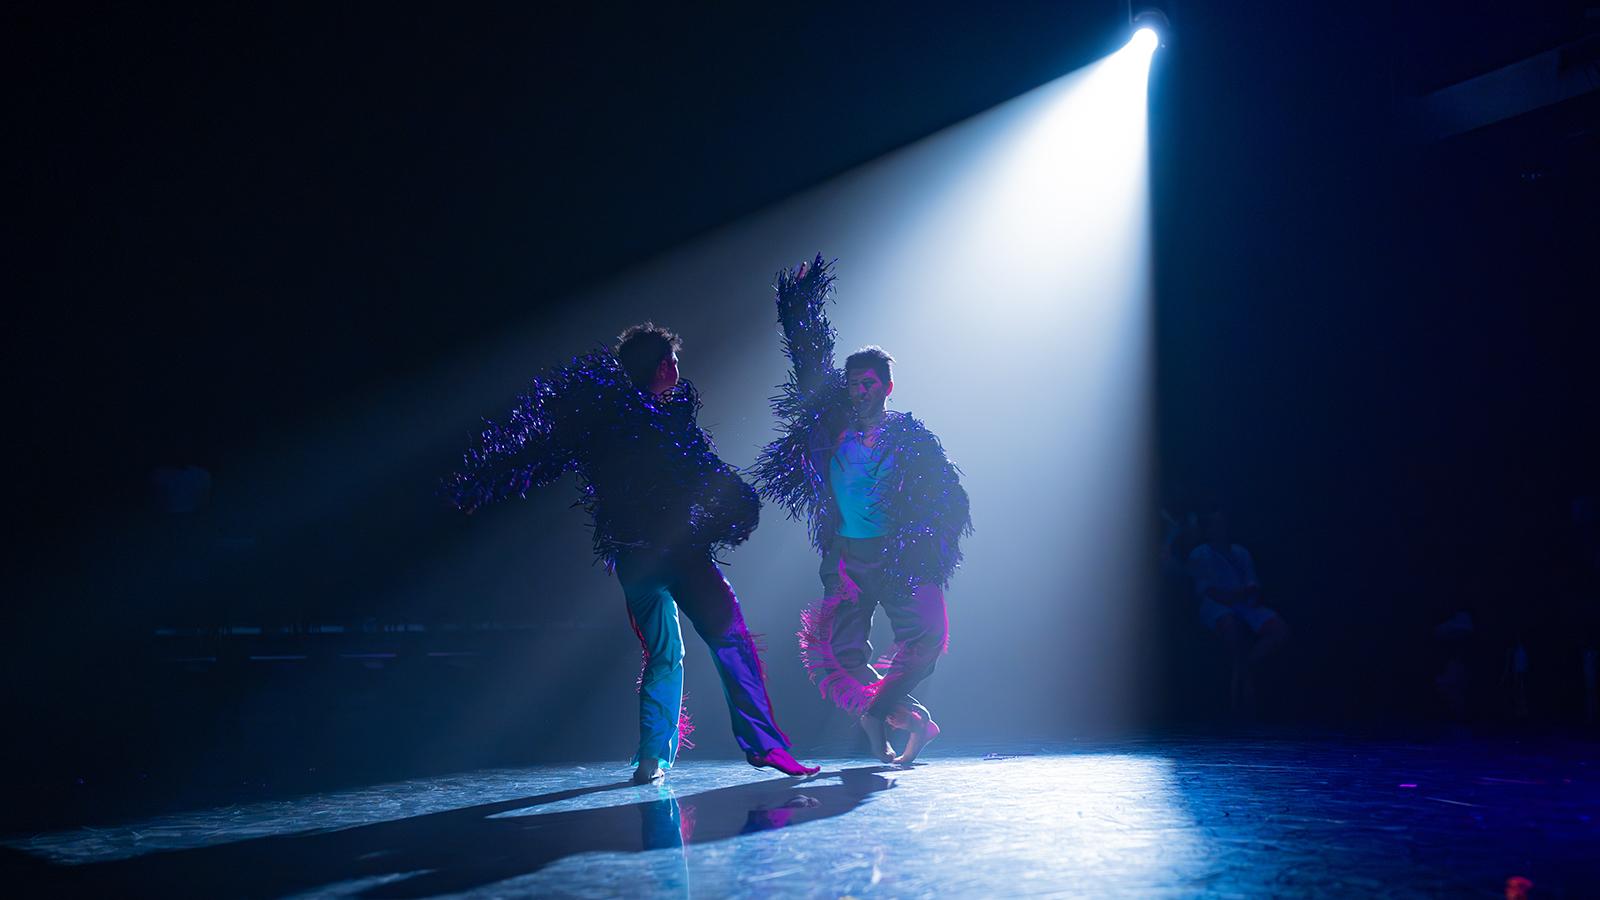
837, 686
685, 723
686, 817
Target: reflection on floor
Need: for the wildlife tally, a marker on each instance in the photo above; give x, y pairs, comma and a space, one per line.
1160, 818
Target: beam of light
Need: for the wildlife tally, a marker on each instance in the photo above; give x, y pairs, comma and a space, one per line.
1013, 287
1004, 262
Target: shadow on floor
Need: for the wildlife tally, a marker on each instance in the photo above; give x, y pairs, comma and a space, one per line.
458, 849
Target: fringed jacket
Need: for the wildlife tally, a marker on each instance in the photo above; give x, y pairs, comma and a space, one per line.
926, 507
648, 476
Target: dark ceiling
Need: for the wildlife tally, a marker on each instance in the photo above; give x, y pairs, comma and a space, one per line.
231, 216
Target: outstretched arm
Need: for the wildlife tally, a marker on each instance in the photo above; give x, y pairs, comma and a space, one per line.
538, 441
510, 458
803, 294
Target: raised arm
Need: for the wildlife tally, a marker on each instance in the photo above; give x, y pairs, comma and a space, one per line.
803, 294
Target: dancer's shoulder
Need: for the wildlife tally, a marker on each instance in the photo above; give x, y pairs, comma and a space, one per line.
906, 426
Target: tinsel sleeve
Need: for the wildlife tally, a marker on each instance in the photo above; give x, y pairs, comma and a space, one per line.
803, 294
815, 391
726, 509
786, 472
534, 445
930, 509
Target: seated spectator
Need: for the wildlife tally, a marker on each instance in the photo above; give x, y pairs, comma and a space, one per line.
1229, 594
1453, 638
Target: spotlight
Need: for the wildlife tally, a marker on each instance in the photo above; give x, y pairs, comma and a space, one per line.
1148, 17
1145, 39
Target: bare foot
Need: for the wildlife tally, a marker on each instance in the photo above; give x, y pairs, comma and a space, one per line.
649, 771
877, 738
922, 734
779, 758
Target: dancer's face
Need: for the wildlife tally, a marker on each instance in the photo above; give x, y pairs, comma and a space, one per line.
667, 373
868, 392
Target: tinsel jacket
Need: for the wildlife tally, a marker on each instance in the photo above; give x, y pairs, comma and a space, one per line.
927, 508
648, 475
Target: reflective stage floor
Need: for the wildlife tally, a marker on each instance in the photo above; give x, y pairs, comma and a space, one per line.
1169, 818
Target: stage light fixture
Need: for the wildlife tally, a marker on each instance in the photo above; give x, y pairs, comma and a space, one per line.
1148, 17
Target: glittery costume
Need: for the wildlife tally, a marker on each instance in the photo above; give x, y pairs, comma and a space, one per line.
647, 474
926, 509
662, 504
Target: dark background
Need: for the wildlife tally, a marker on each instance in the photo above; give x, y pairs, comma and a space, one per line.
234, 227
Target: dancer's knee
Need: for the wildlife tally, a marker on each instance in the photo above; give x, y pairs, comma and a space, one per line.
850, 657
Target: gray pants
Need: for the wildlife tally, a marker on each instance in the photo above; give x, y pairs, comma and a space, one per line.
917, 615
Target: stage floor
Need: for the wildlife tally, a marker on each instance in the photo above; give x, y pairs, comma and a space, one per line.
1170, 818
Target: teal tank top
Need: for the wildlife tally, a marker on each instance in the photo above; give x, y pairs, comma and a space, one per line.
859, 474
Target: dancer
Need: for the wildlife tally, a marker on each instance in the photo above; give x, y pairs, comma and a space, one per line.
886, 511
662, 504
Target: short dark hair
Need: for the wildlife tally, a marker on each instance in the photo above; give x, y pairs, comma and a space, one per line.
642, 347
871, 357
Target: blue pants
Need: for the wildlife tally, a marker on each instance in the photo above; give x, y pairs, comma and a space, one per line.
657, 584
